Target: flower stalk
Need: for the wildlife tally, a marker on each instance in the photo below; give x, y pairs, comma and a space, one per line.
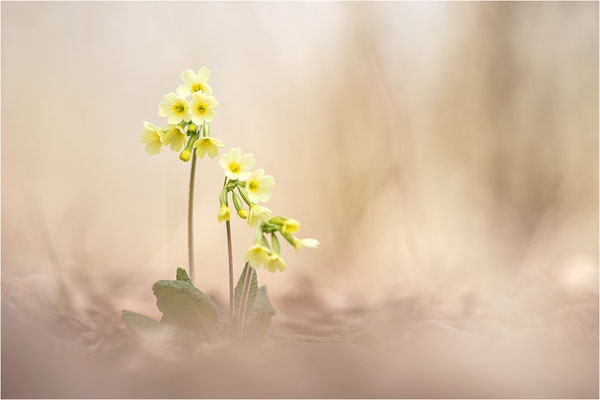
230, 255
192, 270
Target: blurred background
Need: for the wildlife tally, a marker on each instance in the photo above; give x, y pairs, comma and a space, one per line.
444, 154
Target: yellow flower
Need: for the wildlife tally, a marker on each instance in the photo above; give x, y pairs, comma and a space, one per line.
275, 263
151, 136
257, 255
236, 165
306, 243
175, 108
185, 155
259, 186
291, 226
207, 145
224, 213
257, 213
175, 136
202, 108
194, 82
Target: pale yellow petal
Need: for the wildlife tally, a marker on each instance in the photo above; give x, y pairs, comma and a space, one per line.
217, 142
203, 75
201, 150
247, 161
209, 115
150, 126
184, 90
153, 148
188, 76
211, 150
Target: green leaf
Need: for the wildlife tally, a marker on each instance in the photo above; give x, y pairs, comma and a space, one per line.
259, 318
251, 292
185, 306
139, 323
182, 275
223, 317
149, 327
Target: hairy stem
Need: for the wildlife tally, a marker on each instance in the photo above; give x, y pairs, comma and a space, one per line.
192, 270
244, 299
230, 255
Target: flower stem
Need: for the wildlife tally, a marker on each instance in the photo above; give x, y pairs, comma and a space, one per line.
192, 270
244, 299
230, 255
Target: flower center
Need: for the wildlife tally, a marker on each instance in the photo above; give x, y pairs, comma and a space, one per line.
235, 167
196, 87
201, 109
252, 185
179, 108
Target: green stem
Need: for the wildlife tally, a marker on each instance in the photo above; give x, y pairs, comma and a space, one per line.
192, 270
230, 255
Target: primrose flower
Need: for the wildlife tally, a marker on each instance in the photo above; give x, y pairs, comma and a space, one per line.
291, 226
151, 136
259, 186
275, 263
306, 243
194, 82
236, 165
174, 135
257, 214
257, 255
175, 108
207, 145
224, 213
202, 108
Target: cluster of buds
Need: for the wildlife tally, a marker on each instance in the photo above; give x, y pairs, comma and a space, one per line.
269, 255
187, 122
245, 186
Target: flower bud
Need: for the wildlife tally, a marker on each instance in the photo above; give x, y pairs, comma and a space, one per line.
243, 213
185, 155
291, 225
224, 213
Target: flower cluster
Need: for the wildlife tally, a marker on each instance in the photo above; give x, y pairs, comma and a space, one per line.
188, 122
252, 187
261, 253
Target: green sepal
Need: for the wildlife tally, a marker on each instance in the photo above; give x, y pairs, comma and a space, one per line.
279, 220
268, 227
275, 243
244, 194
223, 196
237, 203
290, 239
